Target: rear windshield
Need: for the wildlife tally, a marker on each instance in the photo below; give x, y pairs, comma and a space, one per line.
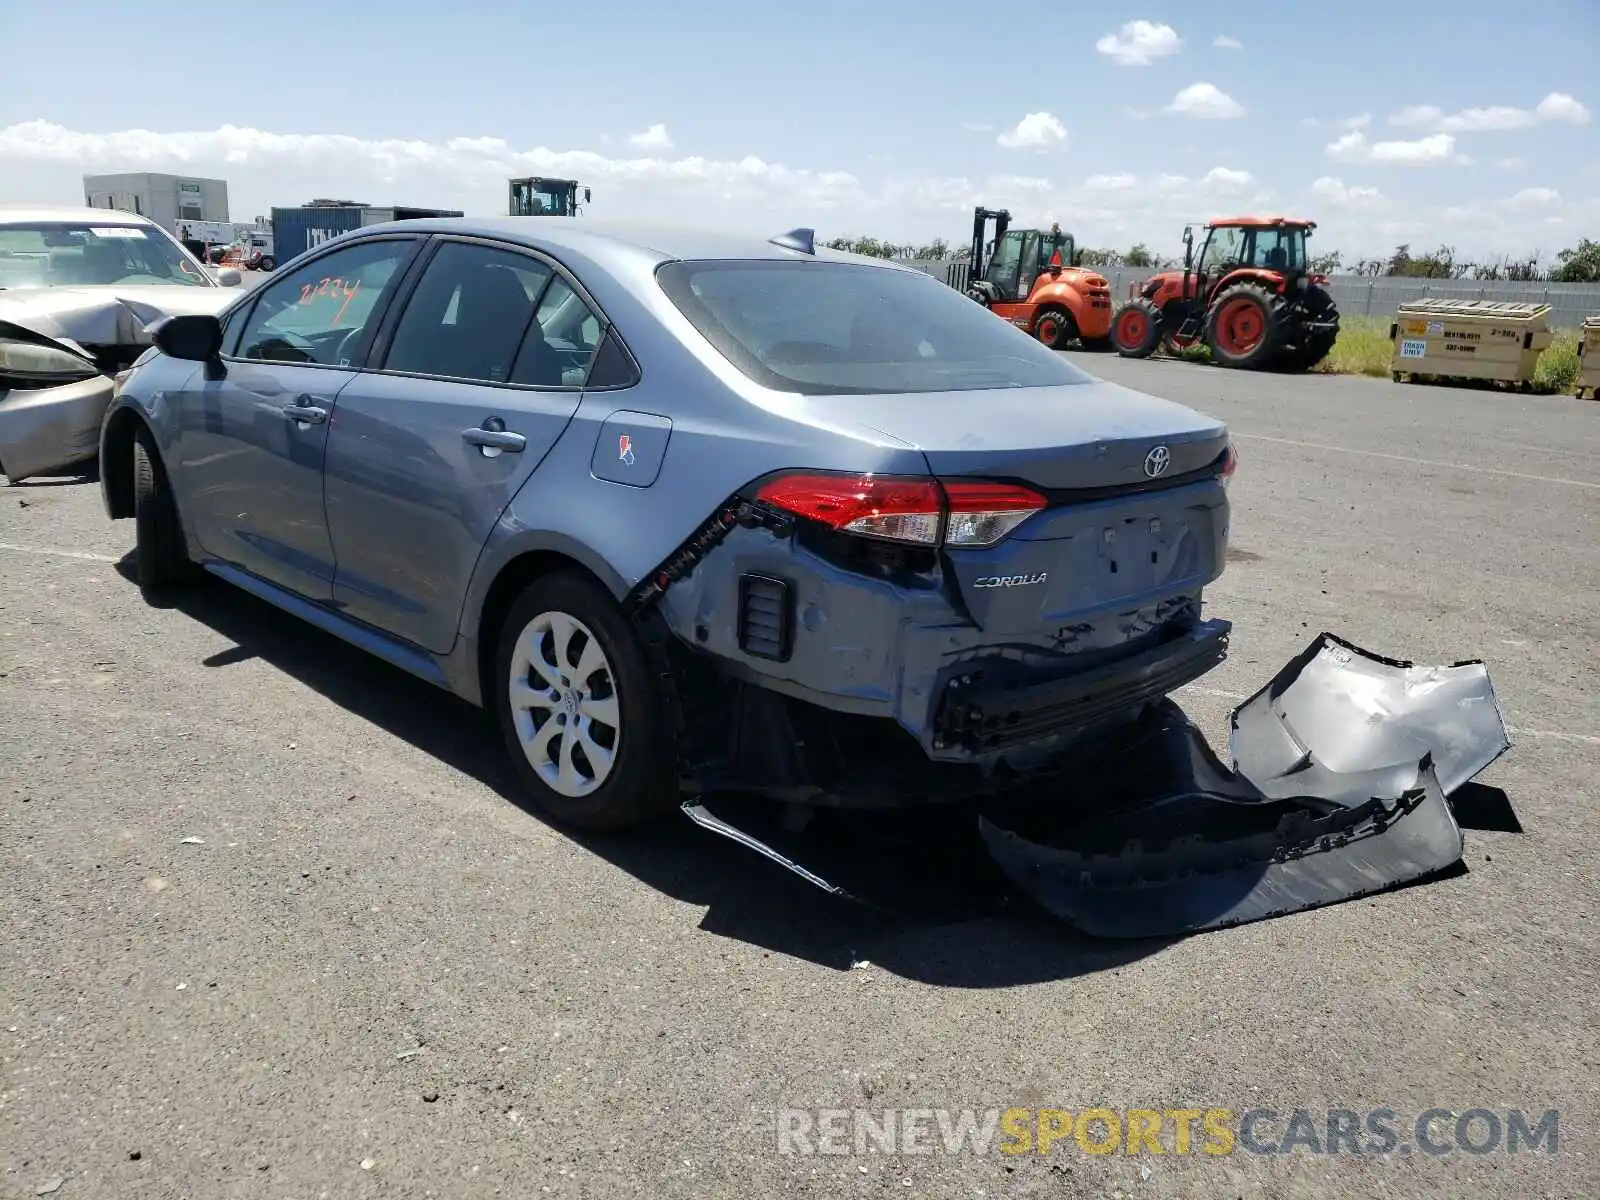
829, 328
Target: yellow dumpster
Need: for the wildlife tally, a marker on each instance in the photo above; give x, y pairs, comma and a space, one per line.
1589, 359
1469, 339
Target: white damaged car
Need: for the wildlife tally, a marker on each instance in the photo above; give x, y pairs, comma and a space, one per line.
79, 288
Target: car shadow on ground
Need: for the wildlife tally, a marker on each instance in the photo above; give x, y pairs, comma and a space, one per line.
746, 897
89, 473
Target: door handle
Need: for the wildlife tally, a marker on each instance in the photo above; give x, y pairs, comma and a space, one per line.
492, 441
305, 412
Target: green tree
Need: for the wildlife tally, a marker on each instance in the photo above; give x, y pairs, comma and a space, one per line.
1140, 256
1090, 257
1579, 264
1326, 264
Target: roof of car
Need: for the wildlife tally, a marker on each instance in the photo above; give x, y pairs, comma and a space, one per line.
595, 237
29, 214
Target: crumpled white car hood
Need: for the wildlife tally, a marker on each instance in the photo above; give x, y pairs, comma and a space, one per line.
107, 316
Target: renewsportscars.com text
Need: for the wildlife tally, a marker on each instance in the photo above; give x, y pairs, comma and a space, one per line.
1433, 1132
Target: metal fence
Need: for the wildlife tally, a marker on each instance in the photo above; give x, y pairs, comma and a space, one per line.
1365, 296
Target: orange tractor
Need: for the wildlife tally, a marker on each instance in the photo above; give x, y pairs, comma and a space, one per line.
1031, 280
1252, 299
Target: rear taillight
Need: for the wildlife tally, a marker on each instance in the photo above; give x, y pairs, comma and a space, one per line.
1230, 463
897, 509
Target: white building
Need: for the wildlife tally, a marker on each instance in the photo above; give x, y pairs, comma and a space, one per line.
168, 200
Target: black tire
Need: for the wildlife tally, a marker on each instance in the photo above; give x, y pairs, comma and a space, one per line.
643, 778
1054, 327
1271, 318
269, 264
1137, 328
1311, 348
163, 557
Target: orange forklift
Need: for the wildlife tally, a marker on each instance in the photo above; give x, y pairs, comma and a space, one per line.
1030, 278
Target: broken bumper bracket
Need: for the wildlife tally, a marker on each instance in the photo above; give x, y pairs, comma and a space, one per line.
1342, 769
983, 714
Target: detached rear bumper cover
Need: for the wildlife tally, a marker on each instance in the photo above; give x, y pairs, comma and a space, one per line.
1342, 768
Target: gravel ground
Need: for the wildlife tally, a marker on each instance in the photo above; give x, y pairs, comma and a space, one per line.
374, 975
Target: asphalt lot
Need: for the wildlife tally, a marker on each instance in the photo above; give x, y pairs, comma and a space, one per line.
232, 1018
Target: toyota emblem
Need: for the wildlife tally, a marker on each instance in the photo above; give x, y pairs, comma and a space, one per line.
1157, 461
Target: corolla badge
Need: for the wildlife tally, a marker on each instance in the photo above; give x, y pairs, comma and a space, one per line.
1157, 461
1009, 581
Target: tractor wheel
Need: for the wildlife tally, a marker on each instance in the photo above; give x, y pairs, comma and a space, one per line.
1311, 348
1136, 330
1245, 327
1055, 328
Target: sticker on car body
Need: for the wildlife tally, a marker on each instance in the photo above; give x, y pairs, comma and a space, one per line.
116, 231
1411, 349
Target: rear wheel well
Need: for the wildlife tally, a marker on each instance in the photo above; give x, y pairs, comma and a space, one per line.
515, 576
116, 461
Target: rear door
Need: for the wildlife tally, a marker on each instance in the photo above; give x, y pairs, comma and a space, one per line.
474, 378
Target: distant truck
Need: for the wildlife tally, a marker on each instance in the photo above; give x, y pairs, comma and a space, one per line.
252, 251
198, 237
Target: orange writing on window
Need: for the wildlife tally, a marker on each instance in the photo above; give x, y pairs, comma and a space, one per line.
331, 288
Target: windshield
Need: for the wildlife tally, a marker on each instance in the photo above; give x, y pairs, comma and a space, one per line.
831, 328
73, 254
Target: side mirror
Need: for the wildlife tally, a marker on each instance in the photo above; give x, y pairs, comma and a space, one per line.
195, 338
229, 277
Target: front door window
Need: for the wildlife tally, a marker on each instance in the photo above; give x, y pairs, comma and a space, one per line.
1004, 265
319, 314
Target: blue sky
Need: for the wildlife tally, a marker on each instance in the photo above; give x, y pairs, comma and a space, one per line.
891, 118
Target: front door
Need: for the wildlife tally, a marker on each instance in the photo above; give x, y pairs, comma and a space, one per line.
1004, 265
483, 370
1027, 264
251, 443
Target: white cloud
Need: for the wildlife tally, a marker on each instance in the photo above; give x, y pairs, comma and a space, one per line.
1140, 43
1036, 131
1337, 194
1360, 122
1558, 106
1534, 198
1207, 102
977, 127
1495, 118
1509, 164
1111, 183
1223, 181
1108, 206
654, 138
1223, 42
1432, 150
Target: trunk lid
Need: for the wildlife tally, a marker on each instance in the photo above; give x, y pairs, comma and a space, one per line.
1070, 438
1136, 518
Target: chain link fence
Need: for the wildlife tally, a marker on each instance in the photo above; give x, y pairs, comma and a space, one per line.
1364, 295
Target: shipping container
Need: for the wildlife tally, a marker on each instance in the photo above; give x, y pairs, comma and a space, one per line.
296, 230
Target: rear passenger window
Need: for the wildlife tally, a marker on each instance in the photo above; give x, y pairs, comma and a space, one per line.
469, 314
561, 342
613, 365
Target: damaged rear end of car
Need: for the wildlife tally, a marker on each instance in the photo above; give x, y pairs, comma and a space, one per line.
1026, 566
